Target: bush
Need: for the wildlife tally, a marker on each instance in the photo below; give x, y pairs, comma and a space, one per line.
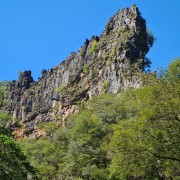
62, 89
86, 68
94, 45
150, 39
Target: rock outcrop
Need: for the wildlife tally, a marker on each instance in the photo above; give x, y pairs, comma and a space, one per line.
108, 63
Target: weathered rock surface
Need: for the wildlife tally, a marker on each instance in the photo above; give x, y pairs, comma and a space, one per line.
108, 63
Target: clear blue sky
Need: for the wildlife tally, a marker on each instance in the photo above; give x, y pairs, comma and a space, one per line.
39, 34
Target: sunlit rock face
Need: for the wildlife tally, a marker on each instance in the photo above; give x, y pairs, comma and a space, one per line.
108, 63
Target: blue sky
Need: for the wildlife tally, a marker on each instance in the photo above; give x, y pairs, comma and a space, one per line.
39, 34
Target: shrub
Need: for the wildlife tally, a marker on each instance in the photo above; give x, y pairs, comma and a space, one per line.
86, 68
62, 89
150, 38
94, 45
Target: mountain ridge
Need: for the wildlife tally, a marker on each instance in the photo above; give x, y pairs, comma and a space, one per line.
109, 63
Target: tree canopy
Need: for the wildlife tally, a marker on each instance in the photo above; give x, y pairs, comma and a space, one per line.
131, 136
13, 162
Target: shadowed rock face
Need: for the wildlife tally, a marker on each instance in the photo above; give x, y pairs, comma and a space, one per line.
108, 63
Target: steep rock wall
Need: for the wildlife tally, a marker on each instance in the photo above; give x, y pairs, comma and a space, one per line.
108, 63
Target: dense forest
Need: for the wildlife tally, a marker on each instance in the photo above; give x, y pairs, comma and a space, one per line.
133, 135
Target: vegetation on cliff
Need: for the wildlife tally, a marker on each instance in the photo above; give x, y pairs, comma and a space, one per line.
3, 94
131, 136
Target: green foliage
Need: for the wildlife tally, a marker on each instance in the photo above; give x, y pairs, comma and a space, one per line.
46, 153
62, 89
94, 46
5, 120
13, 163
86, 68
3, 94
84, 153
48, 127
173, 73
150, 38
131, 136
105, 84
147, 63
81, 52
43, 155
148, 146
5, 124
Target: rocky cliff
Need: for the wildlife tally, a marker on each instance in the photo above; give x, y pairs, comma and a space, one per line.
108, 63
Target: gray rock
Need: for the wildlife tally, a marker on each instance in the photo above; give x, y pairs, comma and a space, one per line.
108, 63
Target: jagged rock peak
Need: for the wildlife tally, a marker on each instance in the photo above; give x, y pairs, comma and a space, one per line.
123, 17
108, 63
25, 79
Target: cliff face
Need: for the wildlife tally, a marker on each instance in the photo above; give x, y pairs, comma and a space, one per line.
108, 63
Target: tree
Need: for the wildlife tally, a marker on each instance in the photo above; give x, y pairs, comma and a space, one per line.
145, 144
3, 94
150, 38
13, 163
84, 157
44, 153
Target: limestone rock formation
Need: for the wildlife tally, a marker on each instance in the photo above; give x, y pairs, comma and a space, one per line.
108, 63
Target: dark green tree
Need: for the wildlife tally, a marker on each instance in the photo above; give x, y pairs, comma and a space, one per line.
13, 163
